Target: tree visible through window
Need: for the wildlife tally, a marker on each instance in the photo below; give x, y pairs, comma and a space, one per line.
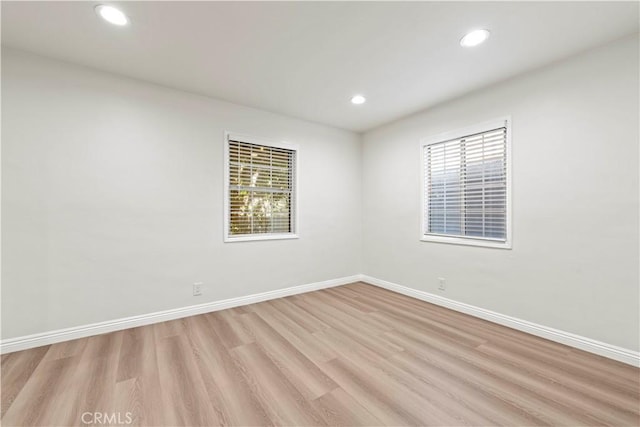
261, 189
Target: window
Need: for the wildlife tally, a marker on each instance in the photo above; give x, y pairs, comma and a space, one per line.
260, 189
466, 186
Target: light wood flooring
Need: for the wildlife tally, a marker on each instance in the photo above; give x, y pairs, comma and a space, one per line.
351, 355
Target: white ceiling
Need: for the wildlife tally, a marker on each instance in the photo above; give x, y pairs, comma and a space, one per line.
306, 59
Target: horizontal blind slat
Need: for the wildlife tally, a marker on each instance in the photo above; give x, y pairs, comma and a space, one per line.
261, 188
465, 185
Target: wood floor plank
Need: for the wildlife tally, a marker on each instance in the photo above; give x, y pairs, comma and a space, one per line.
298, 337
304, 319
501, 411
338, 408
65, 349
129, 360
282, 401
418, 328
355, 311
451, 410
138, 367
92, 386
184, 395
17, 368
346, 292
306, 376
227, 390
381, 404
488, 377
34, 403
128, 405
231, 331
354, 355
597, 393
613, 380
402, 304
550, 387
169, 328
357, 330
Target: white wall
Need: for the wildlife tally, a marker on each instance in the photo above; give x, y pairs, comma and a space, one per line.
574, 262
112, 199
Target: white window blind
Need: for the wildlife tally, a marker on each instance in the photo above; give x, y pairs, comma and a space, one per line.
261, 190
466, 186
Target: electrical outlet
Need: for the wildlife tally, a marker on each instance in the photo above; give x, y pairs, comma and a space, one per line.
442, 284
197, 289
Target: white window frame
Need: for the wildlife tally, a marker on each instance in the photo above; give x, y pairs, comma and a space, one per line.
228, 238
468, 240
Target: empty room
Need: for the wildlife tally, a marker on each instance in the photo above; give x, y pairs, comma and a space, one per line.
320, 213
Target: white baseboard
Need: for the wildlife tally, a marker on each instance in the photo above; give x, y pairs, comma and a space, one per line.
597, 347
592, 346
25, 342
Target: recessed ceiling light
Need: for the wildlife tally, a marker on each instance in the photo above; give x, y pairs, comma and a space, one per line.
112, 15
358, 99
474, 38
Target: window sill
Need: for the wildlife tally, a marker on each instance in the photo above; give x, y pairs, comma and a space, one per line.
258, 237
466, 241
